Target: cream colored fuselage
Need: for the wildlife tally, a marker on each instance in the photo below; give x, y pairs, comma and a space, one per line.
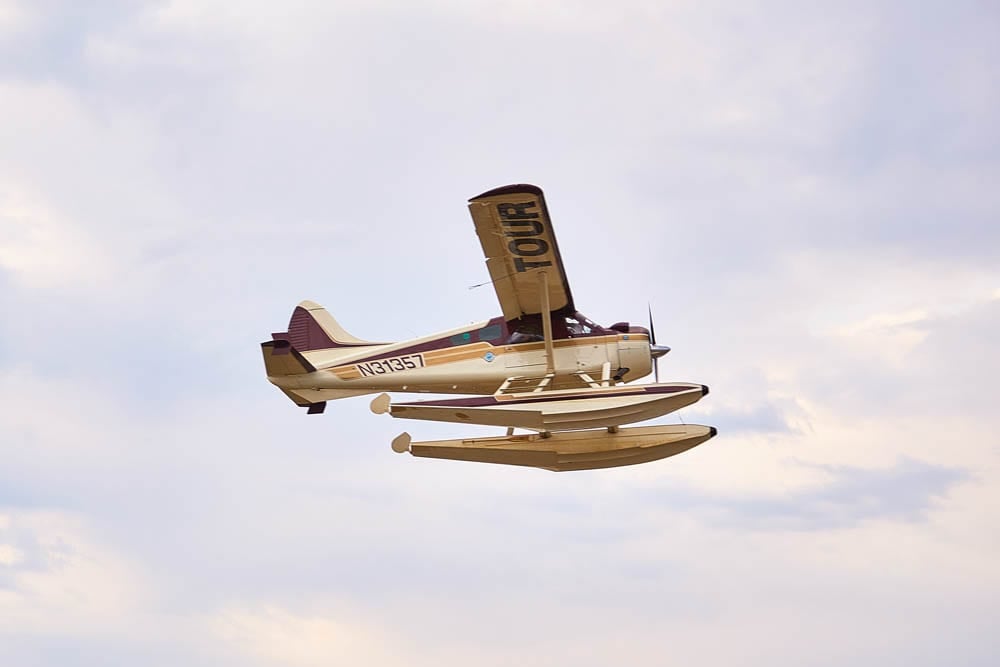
473, 368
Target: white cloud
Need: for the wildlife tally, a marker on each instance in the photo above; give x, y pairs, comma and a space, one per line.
10, 555
803, 196
71, 422
79, 205
13, 17
883, 321
42, 249
71, 584
889, 336
273, 635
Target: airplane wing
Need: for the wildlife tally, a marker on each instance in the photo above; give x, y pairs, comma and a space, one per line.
516, 234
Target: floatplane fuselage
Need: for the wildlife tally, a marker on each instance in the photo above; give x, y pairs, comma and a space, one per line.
542, 366
325, 363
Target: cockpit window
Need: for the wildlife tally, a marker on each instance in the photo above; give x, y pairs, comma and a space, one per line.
579, 325
577, 328
529, 328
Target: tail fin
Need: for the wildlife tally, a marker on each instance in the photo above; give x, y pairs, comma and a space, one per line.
313, 328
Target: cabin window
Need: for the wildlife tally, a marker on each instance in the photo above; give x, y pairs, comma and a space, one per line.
527, 330
461, 339
492, 332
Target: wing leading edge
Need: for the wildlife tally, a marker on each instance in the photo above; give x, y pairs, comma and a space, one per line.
515, 231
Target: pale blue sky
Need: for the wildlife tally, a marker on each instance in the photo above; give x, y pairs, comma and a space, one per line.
806, 195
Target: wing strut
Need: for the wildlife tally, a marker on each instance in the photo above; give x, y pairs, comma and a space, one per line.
543, 286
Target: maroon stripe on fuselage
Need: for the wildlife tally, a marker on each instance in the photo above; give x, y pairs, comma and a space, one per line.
443, 343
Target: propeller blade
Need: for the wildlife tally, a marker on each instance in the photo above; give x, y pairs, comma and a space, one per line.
652, 331
652, 344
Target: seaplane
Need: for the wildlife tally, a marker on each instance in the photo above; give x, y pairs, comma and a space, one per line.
541, 367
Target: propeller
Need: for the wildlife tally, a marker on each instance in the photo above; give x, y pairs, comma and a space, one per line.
655, 351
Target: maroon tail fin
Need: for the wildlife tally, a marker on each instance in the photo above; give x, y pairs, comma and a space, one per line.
305, 333
312, 328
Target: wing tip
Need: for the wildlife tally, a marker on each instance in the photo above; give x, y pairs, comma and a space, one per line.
515, 188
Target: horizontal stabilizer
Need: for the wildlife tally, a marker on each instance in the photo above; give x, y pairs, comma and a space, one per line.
310, 397
280, 358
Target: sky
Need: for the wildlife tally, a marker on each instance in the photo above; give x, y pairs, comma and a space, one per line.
804, 193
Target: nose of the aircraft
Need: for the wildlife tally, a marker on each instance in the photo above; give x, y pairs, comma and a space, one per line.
657, 351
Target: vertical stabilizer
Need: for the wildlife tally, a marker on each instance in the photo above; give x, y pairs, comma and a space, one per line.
313, 328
